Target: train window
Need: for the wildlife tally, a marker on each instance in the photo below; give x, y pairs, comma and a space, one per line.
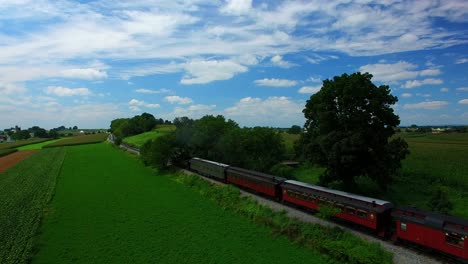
350, 210
454, 239
362, 213
403, 226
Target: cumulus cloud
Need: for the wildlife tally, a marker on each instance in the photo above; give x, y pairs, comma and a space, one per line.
416, 83
317, 59
309, 89
64, 91
278, 61
461, 61
148, 91
277, 111
275, 82
463, 101
462, 89
174, 99
134, 105
429, 105
237, 6
406, 95
86, 74
444, 90
393, 72
205, 71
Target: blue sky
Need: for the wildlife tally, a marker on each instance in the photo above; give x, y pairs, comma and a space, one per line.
87, 62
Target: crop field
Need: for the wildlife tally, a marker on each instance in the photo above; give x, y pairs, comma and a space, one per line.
79, 140
140, 139
39, 145
19, 143
25, 189
109, 208
13, 158
4, 152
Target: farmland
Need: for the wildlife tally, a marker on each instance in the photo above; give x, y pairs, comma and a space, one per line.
79, 140
109, 208
39, 145
140, 139
19, 143
25, 189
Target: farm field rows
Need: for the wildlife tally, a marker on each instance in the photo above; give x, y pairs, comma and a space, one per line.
10, 160
39, 145
79, 140
109, 208
25, 189
20, 143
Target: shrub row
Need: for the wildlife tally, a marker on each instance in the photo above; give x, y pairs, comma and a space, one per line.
339, 245
19, 143
79, 140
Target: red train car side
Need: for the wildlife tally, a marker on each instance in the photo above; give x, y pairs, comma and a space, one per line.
444, 233
364, 211
256, 181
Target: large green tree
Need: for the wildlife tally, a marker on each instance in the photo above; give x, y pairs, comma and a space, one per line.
349, 127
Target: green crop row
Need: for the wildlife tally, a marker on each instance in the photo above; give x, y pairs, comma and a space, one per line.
4, 152
25, 191
19, 143
336, 243
79, 140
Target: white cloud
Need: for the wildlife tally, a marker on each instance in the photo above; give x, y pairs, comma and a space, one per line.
309, 89
317, 59
205, 71
278, 61
174, 99
406, 95
272, 111
237, 6
429, 105
444, 90
393, 72
86, 74
275, 82
416, 83
193, 111
461, 61
462, 89
134, 103
424, 95
64, 91
11, 88
463, 101
148, 91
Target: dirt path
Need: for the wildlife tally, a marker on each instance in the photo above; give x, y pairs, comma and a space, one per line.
9, 160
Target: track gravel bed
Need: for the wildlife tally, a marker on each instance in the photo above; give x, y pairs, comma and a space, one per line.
401, 255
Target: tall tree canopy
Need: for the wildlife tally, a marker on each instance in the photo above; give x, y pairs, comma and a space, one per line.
348, 129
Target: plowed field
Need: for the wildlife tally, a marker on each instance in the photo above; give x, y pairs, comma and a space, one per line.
7, 161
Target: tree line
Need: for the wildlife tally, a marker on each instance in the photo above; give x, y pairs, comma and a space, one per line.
125, 127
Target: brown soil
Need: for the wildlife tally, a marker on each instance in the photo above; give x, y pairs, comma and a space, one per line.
9, 160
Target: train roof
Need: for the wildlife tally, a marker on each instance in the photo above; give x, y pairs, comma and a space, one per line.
431, 219
340, 193
211, 162
270, 177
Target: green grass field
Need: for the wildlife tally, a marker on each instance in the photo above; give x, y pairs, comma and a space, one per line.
25, 190
109, 208
79, 140
39, 145
19, 143
140, 139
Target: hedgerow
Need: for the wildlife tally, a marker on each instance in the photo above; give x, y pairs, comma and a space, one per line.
339, 245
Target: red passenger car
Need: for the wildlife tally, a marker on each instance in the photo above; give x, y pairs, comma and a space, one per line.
444, 233
256, 181
364, 211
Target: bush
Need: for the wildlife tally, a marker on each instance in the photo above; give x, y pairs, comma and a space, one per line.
284, 171
439, 202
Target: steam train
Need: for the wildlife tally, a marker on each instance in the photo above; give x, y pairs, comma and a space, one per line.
446, 234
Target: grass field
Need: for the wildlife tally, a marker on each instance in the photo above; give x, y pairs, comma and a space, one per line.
19, 143
109, 208
25, 189
140, 139
79, 140
39, 145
